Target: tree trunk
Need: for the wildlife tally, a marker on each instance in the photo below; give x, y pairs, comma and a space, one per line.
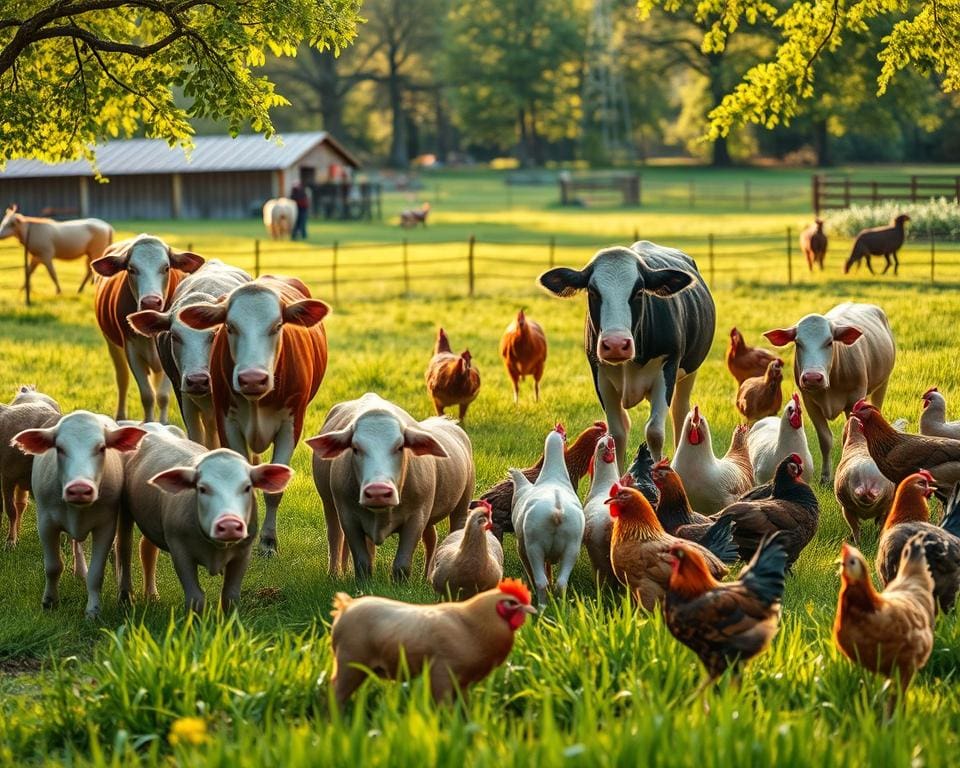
821, 142
721, 151
442, 127
398, 141
720, 157
522, 145
536, 143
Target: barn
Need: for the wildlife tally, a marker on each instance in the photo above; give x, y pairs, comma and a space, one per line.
221, 178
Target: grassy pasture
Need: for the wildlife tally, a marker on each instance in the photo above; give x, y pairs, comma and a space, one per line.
592, 682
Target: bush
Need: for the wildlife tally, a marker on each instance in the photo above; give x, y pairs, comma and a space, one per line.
940, 217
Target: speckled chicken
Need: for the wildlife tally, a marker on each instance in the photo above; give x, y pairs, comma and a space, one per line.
469, 560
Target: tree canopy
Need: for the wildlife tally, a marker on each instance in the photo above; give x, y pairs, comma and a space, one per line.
75, 72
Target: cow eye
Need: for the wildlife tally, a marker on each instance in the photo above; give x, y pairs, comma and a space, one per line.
247, 488
60, 451
276, 329
101, 449
828, 344
592, 292
202, 490
175, 338
231, 329
165, 269
131, 270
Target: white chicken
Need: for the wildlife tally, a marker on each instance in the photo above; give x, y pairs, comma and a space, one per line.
547, 518
711, 483
598, 529
933, 417
772, 439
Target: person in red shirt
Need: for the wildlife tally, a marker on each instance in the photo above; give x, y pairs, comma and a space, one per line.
299, 195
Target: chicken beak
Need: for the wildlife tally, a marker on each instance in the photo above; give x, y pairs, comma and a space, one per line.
528, 609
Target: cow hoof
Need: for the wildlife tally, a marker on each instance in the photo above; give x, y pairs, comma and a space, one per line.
93, 614
125, 599
10, 544
267, 548
49, 604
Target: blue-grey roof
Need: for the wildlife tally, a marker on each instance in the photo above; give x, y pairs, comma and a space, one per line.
210, 153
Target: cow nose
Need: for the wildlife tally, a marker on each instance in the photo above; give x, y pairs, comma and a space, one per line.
253, 381
811, 379
379, 495
197, 383
151, 301
229, 528
616, 347
80, 492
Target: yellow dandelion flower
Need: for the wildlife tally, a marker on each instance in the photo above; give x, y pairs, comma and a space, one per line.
188, 730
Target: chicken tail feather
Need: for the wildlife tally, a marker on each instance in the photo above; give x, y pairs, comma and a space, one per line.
764, 574
719, 540
951, 512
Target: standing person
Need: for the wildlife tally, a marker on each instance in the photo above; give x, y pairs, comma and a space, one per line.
299, 195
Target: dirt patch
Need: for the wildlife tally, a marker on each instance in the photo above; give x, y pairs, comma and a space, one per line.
25, 665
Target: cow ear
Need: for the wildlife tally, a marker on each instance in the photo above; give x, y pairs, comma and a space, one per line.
35, 441
203, 316
291, 282
149, 322
422, 443
563, 281
175, 480
666, 282
307, 313
846, 334
329, 445
185, 261
780, 337
124, 438
270, 478
114, 259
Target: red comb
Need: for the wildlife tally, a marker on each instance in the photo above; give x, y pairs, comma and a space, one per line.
515, 588
485, 504
859, 405
615, 489
796, 398
795, 458
626, 481
925, 475
930, 391
662, 464
561, 429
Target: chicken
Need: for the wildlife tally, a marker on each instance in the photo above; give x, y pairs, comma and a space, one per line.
890, 633
725, 624
640, 475
451, 379
791, 508
746, 362
640, 548
711, 483
548, 518
523, 348
463, 642
674, 511
771, 440
862, 490
909, 517
933, 417
469, 560
761, 396
899, 454
598, 529
577, 455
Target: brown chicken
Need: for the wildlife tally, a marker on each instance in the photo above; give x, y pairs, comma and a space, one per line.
725, 624
451, 379
469, 560
909, 517
523, 348
640, 548
860, 487
791, 508
899, 454
463, 642
889, 633
746, 362
761, 396
674, 511
577, 455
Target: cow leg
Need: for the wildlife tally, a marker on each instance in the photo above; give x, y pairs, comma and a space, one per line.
142, 375
79, 559
148, 562
870, 265
618, 421
123, 378
186, 569
680, 406
100, 550
193, 421
429, 547
283, 446
825, 438
896, 262
52, 562
163, 388
515, 379
7, 490
655, 427
410, 536
357, 541
88, 275
53, 274
232, 580
34, 263
335, 543
124, 551
886, 258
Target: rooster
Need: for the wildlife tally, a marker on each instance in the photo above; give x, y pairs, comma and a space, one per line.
725, 624
577, 456
899, 454
771, 440
791, 508
523, 348
909, 517
451, 379
674, 512
761, 396
933, 417
711, 483
598, 530
463, 642
889, 633
746, 362
469, 560
862, 490
640, 548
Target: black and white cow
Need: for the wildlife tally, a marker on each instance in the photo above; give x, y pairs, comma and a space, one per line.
650, 323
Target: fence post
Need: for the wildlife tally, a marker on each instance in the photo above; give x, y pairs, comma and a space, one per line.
553, 249
710, 258
406, 269
190, 247
256, 257
26, 269
789, 255
746, 194
470, 246
815, 183
333, 270
875, 197
933, 256
636, 234
913, 189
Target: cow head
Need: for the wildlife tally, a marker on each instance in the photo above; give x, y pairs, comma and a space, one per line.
814, 337
8, 225
617, 282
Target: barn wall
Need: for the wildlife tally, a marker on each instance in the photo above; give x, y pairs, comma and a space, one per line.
225, 195
320, 159
132, 197
35, 195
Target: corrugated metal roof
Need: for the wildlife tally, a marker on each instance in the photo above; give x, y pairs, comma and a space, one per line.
210, 153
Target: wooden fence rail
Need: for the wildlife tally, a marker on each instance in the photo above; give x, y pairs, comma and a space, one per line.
830, 192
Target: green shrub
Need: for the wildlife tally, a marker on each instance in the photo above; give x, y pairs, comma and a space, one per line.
940, 217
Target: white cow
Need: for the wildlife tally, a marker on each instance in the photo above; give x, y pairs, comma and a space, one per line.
280, 217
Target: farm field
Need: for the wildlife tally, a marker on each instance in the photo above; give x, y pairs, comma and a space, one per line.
591, 681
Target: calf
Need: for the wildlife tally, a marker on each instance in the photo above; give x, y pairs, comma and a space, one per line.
813, 243
650, 323
879, 241
279, 217
380, 472
269, 356
184, 351
199, 506
141, 273
841, 357
77, 482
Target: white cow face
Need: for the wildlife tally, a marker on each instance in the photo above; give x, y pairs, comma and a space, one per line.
189, 347
224, 485
81, 440
814, 337
380, 445
147, 261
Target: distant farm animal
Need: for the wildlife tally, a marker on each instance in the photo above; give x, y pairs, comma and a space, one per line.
413, 216
523, 348
141, 273
813, 243
46, 240
451, 379
649, 325
879, 241
279, 217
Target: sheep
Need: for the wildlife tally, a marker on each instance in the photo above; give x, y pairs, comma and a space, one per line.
879, 241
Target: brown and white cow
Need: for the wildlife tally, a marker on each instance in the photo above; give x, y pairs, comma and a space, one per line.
269, 356
142, 273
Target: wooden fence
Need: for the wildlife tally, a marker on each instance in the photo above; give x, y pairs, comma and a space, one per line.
842, 191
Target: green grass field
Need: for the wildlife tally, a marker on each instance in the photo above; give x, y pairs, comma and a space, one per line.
592, 682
